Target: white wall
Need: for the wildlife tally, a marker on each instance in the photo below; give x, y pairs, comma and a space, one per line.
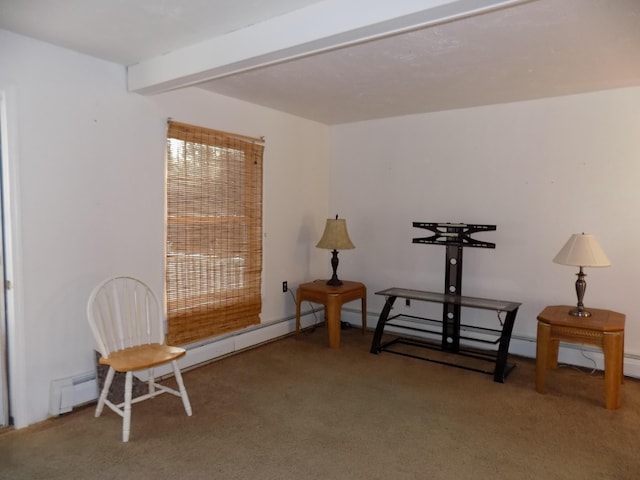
539, 170
88, 162
89, 169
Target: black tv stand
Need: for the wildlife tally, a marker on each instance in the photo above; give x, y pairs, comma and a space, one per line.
450, 329
409, 323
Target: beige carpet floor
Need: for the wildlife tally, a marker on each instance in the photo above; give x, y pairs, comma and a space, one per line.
295, 409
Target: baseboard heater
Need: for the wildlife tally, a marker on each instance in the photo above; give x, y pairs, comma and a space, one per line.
67, 393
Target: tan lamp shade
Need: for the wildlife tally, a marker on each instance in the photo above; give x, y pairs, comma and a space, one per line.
335, 236
582, 250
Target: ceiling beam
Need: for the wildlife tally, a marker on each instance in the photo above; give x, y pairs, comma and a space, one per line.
320, 27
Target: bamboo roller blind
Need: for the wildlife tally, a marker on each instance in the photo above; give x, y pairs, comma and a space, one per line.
214, 232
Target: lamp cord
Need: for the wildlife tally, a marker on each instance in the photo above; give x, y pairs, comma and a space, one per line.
312, 328
582, 369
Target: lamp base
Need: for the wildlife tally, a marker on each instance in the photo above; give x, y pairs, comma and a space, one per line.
579, 312
581, 286
334, 281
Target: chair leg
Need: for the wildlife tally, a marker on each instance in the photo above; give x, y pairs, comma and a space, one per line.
183, 391
105, 391
126, 417
151, 381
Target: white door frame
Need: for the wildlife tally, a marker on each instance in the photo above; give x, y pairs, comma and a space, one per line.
13, 395
4, 377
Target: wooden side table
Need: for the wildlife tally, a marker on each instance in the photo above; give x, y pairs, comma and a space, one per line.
603, 328
332, 297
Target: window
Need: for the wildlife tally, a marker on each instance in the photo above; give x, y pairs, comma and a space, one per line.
214, 232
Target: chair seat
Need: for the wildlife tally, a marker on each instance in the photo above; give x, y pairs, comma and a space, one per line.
142, 356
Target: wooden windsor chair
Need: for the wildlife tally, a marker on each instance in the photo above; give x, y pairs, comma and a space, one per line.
127, 323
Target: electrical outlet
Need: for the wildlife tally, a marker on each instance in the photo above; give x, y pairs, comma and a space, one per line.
285, 288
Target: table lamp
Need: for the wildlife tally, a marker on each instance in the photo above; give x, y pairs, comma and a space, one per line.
582, 250
335, 237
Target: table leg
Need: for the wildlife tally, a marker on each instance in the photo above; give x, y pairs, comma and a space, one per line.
542, 354
364, 313
612, 346
332, 311
552, 357
298, 302
622, 359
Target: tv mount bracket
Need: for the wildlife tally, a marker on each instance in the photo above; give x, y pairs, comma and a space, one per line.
457, 234
454, 236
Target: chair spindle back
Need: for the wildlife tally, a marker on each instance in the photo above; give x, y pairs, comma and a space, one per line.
124, 312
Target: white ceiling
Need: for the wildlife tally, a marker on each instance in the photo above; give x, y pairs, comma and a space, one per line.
337, 61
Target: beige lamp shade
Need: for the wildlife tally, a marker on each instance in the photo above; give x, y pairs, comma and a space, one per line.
582, 250
335, 236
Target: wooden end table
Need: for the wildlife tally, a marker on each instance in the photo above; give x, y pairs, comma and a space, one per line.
332, 297
603, 328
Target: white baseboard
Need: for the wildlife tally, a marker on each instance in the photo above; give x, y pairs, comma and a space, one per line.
571, 354
81, 389
66, 393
